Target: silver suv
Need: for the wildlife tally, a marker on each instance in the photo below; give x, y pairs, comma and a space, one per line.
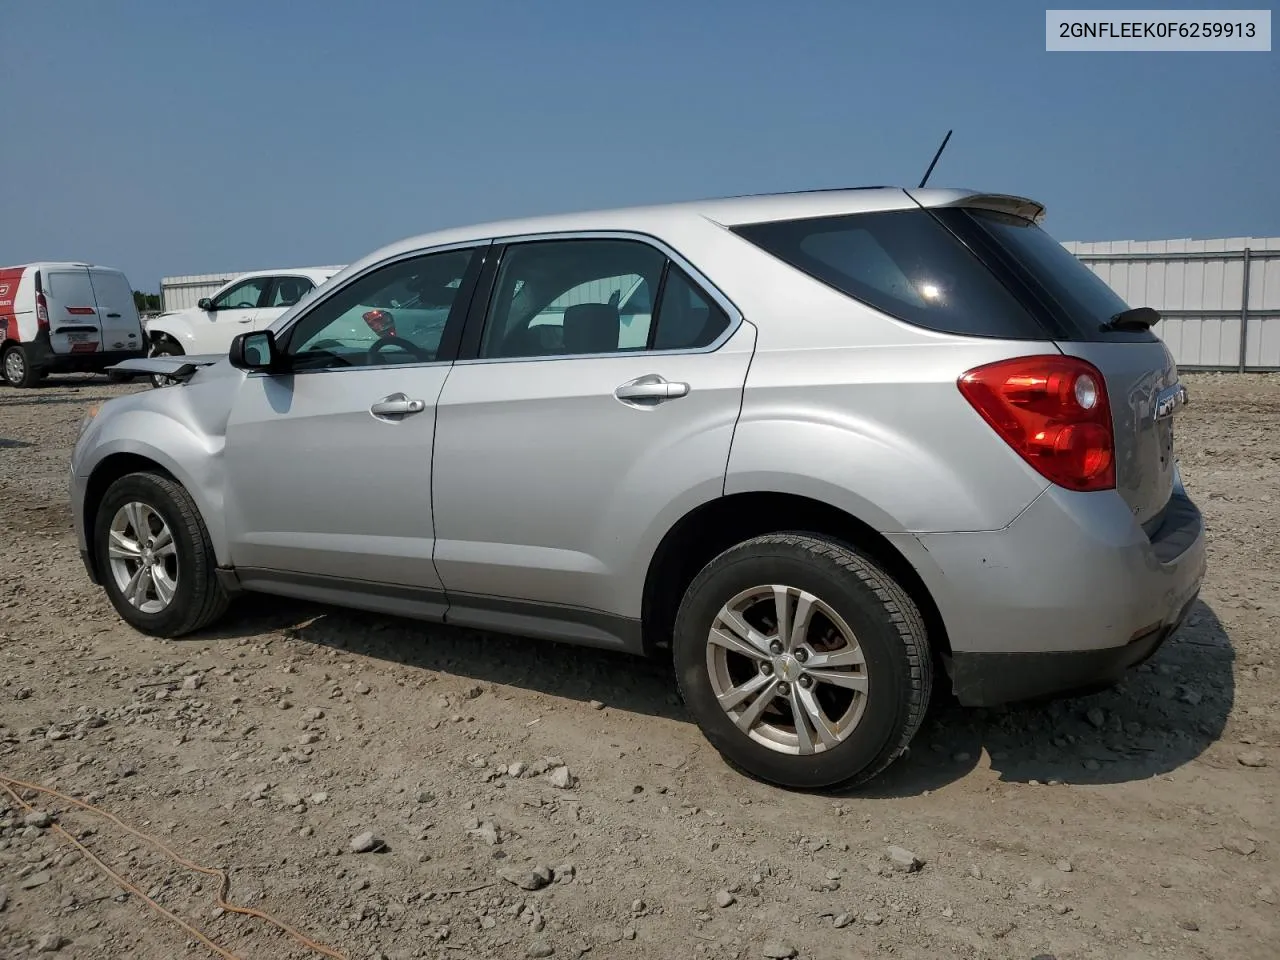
818, 447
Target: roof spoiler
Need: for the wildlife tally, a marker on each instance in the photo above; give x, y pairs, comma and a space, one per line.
1022, 207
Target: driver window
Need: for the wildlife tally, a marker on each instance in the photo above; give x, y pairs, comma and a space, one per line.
243, 296
395, 314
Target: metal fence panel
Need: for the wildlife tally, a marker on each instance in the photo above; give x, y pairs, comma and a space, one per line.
1220, 298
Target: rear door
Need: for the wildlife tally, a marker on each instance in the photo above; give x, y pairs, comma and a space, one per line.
285, 291
117, 313
1077, 306
74, 324
565, 436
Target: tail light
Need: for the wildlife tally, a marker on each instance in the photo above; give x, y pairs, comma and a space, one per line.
380, 322
1054, 412
42, 311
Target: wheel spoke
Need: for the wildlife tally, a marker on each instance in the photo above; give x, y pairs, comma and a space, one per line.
134, 586
814, 712
850, 656
164, 586
163, 539
137, 514
122, 547
800, 624
747, 719
782, 612
740, 635
841, 678
735, 695
804, 735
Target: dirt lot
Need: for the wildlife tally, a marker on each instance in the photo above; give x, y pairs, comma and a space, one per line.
1136, 823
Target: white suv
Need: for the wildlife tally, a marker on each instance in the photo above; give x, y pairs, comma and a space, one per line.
252, 301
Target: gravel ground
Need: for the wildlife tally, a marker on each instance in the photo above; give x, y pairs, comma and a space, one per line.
566, 791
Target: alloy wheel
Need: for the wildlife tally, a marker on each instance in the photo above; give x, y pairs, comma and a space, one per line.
143, 557
787, 669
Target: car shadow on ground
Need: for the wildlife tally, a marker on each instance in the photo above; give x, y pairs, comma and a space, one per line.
1164, 713
561, 670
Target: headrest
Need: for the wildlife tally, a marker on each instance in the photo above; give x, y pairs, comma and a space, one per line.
591, 328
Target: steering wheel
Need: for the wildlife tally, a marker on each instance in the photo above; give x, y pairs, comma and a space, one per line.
244, 306
375, 351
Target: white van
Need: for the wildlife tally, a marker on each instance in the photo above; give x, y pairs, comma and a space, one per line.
65, 318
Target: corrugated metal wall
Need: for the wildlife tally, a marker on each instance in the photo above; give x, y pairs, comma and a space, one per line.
179, 293
1200, 287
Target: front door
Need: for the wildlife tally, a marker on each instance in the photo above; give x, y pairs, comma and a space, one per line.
329, 464
234, 312
575, 438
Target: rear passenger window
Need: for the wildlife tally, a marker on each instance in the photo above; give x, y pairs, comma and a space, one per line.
566, 297
289, 290
904, 263
687, 318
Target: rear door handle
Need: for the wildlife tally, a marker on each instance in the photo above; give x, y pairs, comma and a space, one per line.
649, 390
397, 405
113, 316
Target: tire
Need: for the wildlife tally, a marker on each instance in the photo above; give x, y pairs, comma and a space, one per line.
163, 348
858, 607
196, 598
17, 368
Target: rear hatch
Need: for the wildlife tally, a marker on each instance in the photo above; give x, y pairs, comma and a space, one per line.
1078, 310
117, 312
74, 325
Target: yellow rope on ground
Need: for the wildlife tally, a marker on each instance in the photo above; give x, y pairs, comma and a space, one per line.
12, 785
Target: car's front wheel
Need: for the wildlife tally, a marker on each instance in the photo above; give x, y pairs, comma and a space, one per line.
163, 347
155, 557
803, 661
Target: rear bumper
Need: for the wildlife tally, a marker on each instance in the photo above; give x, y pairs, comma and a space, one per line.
41, 357
1069, 595
991, 679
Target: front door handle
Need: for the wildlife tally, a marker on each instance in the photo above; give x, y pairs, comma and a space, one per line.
649, 390
397, 405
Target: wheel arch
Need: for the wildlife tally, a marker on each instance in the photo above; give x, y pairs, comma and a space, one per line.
165, 337
122, 461
175, 329
712, 527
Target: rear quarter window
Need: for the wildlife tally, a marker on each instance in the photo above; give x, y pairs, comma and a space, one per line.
904, 263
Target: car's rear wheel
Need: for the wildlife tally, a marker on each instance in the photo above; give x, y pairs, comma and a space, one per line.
803, 661
163, 347
18, 371
155, 557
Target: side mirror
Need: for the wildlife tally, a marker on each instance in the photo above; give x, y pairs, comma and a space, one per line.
256, 351
204, 303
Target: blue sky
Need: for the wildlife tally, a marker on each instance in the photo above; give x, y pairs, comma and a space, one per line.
220, 135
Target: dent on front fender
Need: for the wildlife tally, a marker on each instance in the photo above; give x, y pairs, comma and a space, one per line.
193, 459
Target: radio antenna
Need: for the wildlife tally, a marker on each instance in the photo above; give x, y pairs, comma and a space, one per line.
935, 159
